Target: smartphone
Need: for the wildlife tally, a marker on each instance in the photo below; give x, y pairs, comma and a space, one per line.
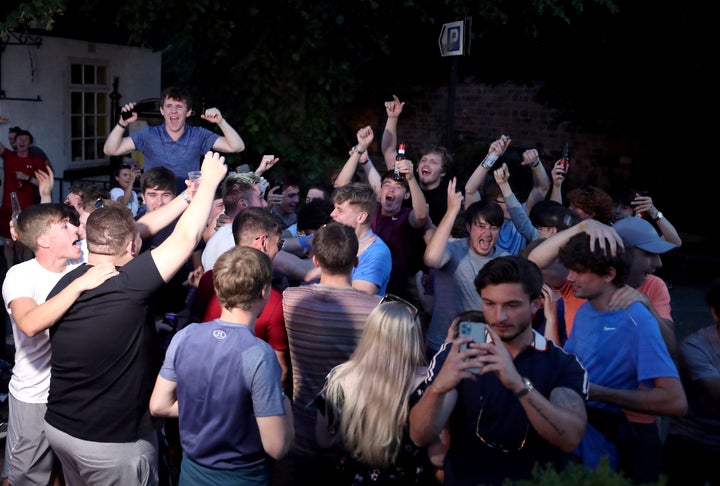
474, 330
640, 214
126, 114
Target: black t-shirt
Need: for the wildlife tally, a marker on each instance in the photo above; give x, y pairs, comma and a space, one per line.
104, 356
437, 202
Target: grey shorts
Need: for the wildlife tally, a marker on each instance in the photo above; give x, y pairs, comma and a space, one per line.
88, 462
28, 456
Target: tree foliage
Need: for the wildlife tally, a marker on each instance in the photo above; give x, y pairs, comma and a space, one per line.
296, 77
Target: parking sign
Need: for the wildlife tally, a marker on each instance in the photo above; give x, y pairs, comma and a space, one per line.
452, 38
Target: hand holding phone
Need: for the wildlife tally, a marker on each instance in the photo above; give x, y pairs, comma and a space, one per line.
474, 330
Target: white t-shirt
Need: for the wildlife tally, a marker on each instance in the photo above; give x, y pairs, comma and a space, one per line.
30, 380
218, 244
117, 193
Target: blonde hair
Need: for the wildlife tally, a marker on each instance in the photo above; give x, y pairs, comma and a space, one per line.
372, 388
240, 275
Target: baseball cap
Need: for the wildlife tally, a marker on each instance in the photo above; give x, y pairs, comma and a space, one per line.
638, 232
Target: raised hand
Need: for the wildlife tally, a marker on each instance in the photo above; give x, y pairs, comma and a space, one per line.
212, 115
128, 108
365, 137
530, 157
394, 108
46, 181
454, 198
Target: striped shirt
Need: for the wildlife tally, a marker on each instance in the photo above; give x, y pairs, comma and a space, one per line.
324, 325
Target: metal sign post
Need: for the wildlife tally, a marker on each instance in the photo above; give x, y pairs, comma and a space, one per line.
452, 44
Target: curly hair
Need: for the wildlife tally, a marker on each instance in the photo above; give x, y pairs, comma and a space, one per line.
594, 201
576, 255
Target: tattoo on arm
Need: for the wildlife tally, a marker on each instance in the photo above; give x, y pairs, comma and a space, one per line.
552, 424
565, 399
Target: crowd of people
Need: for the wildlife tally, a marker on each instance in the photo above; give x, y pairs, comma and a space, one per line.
216, 330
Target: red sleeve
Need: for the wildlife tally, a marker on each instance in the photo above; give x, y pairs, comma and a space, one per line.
214, 309
204, 296
270, 325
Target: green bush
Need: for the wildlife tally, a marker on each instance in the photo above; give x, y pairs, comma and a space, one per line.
579, 475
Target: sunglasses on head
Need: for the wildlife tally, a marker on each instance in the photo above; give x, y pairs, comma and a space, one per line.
395, 298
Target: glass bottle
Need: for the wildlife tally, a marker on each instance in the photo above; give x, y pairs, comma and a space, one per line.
400, 156
15, 205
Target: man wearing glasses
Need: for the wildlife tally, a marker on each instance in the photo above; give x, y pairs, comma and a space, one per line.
511, 402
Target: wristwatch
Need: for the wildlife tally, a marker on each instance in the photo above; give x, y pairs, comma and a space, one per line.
658, 217
526, 389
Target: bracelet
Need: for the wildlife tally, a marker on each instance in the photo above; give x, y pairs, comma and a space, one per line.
124, 127
185, 196
366, 161
532, 166
359, 152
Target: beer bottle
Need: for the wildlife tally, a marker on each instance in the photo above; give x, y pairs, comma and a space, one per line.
400, 156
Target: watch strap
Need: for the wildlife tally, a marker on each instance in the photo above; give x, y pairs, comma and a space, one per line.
527, 389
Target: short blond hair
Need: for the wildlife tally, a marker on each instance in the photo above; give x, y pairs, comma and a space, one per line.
240, 275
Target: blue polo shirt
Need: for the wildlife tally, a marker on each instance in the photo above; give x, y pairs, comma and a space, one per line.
179, 156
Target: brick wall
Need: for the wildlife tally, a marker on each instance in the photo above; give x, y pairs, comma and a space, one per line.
483, 112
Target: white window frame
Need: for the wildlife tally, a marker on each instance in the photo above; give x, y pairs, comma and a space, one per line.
89, 111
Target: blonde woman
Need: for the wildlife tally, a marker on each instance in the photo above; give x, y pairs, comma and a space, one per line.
363, 408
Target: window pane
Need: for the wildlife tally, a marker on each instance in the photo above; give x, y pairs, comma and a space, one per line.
102, 124
101, 75
89, 108
102, 104
76, 127
89, 123
90, 149
99, 144
89, 72
76, 73
75, 103
77, 150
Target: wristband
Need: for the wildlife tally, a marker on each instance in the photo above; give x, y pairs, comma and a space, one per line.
359, 152
533, 165
186, 198
124, 127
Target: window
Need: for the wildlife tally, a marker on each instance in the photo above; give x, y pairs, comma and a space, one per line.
89, 110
